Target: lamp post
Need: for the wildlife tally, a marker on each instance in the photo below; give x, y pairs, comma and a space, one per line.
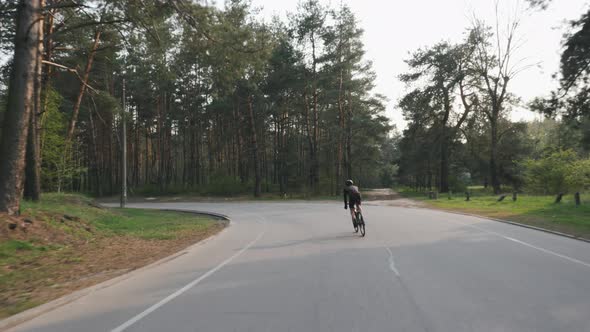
123, 152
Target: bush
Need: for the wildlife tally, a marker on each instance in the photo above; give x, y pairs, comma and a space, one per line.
459, 183
578, 175
556, 172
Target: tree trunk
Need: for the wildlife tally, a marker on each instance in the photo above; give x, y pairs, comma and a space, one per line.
20, 105
84, 83
340, 152
161, 147
146, 174
255, 159
348, 158
32, 188
137, 154
494, 156
315, 162
94, 169
444, 164
33, 154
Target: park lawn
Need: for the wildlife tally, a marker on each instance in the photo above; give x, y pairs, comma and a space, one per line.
67, 242
539, 211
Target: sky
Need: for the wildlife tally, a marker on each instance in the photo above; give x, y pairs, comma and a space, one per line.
394, 28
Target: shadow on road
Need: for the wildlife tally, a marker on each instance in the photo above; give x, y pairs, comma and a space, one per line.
311, 240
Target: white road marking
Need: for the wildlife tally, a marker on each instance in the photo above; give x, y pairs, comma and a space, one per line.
192, 284
547, 251
392, 263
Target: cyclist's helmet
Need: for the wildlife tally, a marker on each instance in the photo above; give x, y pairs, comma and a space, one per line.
348, 183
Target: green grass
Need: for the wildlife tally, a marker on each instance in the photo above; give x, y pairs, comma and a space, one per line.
142, 223
147, 224
540, 211
31, 262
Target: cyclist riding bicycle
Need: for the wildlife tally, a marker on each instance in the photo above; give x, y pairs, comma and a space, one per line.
352, 198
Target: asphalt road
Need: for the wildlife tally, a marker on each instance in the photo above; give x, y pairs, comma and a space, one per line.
297, 266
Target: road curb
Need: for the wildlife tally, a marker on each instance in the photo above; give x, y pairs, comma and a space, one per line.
211, 214
27, 315
512, 223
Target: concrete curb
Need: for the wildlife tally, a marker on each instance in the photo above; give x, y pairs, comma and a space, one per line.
29, 314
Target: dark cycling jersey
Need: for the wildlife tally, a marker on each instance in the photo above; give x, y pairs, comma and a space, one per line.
353, 194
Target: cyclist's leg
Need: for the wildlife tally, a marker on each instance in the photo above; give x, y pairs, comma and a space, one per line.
351, 203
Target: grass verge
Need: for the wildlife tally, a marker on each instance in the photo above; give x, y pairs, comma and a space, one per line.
539, 211
66, 242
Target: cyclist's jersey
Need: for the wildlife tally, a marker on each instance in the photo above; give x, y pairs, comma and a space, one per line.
353, 194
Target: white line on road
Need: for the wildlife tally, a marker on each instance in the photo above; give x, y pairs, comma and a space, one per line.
392, 263
172, 296
573, 260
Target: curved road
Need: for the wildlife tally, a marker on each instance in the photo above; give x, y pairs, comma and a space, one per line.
297, 266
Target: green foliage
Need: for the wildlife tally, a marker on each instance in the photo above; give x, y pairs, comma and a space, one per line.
53, 141
459, 183
202, 82
550, 174
578, 175
58, 164
389, 175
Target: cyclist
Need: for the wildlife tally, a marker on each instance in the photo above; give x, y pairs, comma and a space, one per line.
354, 198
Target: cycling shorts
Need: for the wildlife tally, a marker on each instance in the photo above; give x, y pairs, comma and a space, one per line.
354, 199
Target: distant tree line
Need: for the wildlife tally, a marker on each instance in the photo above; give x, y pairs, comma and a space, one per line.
216, 101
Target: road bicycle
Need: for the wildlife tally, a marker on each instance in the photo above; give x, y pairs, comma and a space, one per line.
358, 221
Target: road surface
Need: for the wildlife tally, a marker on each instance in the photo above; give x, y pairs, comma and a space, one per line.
297, 266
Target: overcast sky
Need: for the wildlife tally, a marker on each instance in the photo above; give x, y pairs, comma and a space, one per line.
395, 27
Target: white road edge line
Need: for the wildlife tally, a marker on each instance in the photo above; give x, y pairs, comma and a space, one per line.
547, 251
192, 284
392, 263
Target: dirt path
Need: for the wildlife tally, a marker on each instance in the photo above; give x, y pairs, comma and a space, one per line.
388, 197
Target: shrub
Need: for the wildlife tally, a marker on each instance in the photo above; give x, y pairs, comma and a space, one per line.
578, 175
459, 183
553, 173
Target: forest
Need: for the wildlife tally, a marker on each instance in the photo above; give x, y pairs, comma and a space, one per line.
232, 135
213, 100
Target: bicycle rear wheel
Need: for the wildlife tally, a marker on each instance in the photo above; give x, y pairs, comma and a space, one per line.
361, 224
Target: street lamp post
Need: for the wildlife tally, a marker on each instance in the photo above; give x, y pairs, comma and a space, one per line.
123, 152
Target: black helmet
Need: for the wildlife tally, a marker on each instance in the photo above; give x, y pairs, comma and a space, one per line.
349, 182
